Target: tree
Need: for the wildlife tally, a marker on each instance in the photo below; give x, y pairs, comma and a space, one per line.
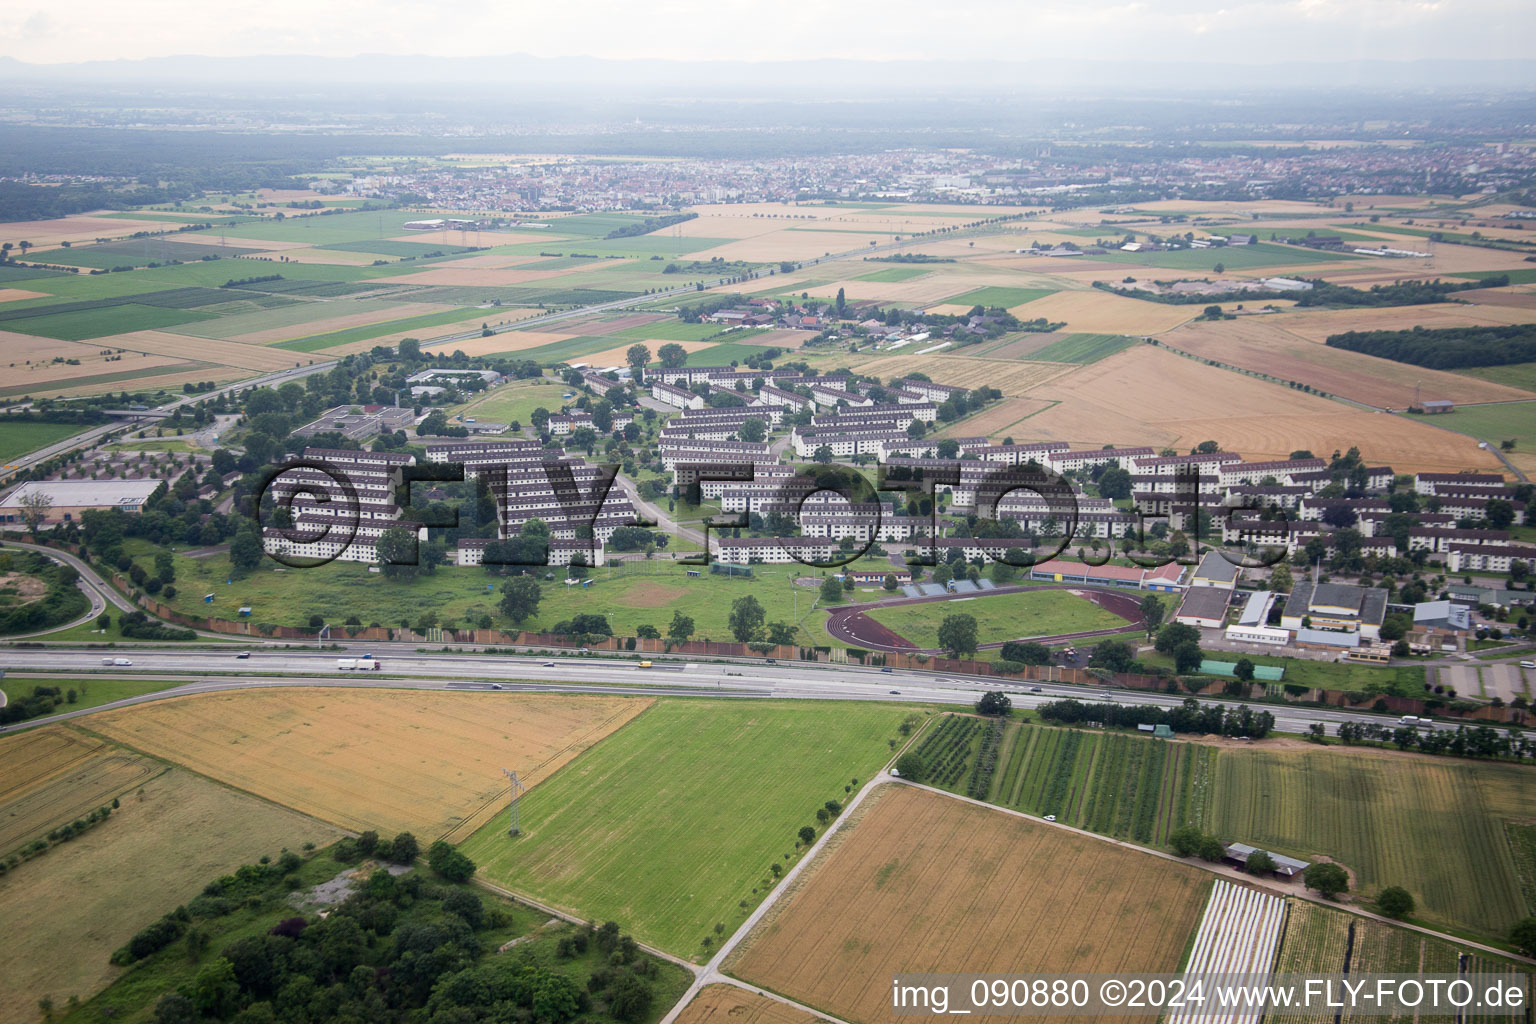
781, 633
1174, 634
1260, 863
1187, 658
995, 704
807, 835
400, 850
1523, 935
822, 454
1114, 655
1328, 879
1395, 901
520, 597
890, 585
1115, 483
957, 635
681, 628
910, 766
245, 550
449, 863
672, 355
1243, 670
34, 510
1211, 849
397, 552
831, 590
1185, 840
948, 448
1151, 613
637, 356
752, 429
1027, 652
746, 619
1280, 578
629, 998
215, 992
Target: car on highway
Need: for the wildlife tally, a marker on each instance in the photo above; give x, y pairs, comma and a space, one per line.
548, 664
896, 692
1528, 664
116, 662
1035, 689
644, 664
886, 669
243, 655
1106, 696
1050, 817
495, 686
770, 661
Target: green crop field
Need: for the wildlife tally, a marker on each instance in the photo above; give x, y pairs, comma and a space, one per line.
565, 351
1118, 784
386, 247
1522, 276
81, 324
1503, 421
1082, 348
20, 438
669, 825
141, 252
9, 274
1238, 257
320, 342
996, 296
295, 315
1516, 375
999, 616
669, 330
89, 693
892, 275
1434, 826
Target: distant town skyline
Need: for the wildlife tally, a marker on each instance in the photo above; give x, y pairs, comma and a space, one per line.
1196, 31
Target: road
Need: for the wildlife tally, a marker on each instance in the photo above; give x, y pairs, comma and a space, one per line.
209, 671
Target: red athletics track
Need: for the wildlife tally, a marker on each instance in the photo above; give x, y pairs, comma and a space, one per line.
852, 626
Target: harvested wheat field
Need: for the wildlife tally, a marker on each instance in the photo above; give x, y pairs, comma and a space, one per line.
618, 356
338, 320
70, 908
389, 760
1317, 325
82, 227
1092, 311
728, 1004
1148, 395
925, 883
1008, 376
1262, 344
1006, 417
1500, 297
207, 350
17, 294
54, 775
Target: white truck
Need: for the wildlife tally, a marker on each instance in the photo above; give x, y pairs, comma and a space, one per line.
359, 664
1413, 721
346, 664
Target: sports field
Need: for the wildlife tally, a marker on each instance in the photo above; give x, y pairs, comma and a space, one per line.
929, 884
389, 760
1391, 819
71, 907
669, 826
999, 616
515, 401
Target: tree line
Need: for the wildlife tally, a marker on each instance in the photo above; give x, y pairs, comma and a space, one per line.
1191, 716
1446, 348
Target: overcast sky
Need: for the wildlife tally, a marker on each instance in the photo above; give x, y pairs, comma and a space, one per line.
46, 31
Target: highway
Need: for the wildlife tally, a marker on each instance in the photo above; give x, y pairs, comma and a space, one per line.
209, 671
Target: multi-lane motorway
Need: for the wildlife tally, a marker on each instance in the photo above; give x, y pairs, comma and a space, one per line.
208, 671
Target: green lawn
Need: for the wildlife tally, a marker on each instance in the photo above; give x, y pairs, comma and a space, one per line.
1082, 348
17, 439
567, 350
460, 595
668, 330
669, 825
319, 342
1403, 680
1504, 421
995, 296
91, 693
723, 353
516, 402
999, 616
81, 324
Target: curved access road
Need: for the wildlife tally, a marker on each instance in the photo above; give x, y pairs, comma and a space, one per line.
853, 626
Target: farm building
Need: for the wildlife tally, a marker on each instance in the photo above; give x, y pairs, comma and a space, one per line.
1285, 867
69, 498
1438, 405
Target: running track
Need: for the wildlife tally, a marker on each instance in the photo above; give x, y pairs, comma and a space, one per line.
852, 626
